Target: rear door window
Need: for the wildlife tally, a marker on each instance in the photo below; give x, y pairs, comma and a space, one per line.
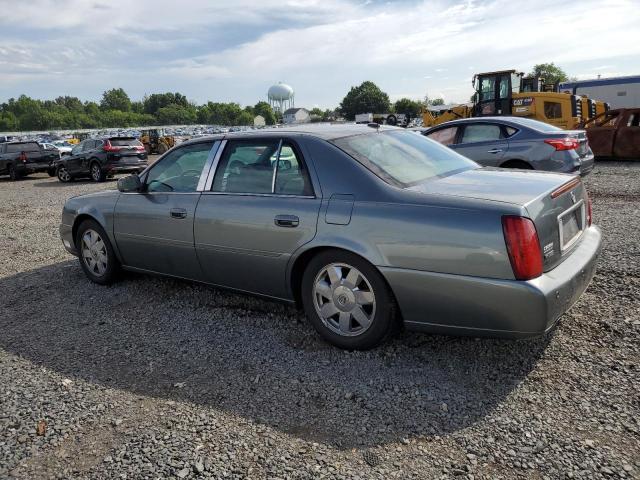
445, 136
483, 132
88, 145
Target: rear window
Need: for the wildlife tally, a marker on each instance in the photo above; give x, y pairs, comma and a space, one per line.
403, 158
124, 142
23, 147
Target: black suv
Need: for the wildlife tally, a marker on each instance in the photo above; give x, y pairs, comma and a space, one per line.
102, 158
22, 158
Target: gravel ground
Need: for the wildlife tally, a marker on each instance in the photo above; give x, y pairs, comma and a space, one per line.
157, 378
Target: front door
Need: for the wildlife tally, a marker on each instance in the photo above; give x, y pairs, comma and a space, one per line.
483, 143
154, 228
260, 209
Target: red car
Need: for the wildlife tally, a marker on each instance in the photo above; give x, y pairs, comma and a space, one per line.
615, 134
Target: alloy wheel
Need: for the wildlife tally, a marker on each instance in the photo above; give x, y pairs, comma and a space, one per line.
94, 252
63, 174
95, 172
344, 299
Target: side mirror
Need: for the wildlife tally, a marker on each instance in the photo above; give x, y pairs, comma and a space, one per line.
131, 183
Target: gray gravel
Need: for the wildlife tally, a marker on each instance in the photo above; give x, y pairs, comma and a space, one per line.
156, 378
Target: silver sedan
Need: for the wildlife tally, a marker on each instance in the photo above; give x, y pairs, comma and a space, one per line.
366, 229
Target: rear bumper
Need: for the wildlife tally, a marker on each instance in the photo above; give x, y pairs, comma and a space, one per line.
24, 168
586, 164
126, 167
464, 305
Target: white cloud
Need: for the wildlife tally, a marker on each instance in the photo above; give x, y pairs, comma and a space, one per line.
320, 47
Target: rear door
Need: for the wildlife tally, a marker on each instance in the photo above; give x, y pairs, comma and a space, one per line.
78, 156
482, 142
627, 141
260, 208
154, 228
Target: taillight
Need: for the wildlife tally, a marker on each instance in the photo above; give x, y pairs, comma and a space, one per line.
566, 143
522, 242
23, 157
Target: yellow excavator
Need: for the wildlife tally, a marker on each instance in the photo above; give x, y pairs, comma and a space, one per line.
156, 141
508, 92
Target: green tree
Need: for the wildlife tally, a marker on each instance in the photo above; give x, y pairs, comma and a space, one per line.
174, 114
550, 72
8, 122
408, 106
115, 99
365, 98
264, 109
156, 101
436, 101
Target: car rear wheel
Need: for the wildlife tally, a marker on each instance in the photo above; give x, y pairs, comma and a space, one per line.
97, 259
97, 175
63, 174
51, 172
347, 301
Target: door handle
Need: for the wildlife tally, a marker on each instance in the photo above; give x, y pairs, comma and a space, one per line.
287, 221
178, 213
494, 150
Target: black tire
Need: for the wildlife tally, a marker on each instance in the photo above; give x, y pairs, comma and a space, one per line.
392, 120
51, 171
13, 173
519, 164
96, 173
162, 148
60, 173
383, 323
113, 266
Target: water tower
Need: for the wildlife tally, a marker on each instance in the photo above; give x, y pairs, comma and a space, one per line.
281, 97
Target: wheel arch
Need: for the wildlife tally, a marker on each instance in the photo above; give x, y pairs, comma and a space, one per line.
300, 262
97, 217
513, 162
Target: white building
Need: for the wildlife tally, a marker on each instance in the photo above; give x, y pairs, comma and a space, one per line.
618, 92
296, 115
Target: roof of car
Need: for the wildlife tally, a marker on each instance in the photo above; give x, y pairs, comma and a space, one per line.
326, 131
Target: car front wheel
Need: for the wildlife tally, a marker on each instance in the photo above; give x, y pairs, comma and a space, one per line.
13, 173
347, 301
63, 174
97, 259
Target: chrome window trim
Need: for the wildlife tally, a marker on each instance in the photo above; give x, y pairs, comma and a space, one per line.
214, 166
207, 166
580, 204
275, 168
260, 194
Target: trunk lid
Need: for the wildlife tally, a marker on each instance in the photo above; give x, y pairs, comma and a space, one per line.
557, 203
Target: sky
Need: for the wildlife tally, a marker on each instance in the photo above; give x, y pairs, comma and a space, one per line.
234, 50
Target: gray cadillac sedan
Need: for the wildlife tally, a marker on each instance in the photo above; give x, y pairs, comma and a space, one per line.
365, 228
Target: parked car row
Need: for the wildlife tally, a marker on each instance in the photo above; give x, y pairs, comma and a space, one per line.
18, 159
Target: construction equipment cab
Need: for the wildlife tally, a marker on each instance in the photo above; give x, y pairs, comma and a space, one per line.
508, 92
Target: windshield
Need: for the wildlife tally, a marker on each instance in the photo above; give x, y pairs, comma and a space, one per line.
403, 158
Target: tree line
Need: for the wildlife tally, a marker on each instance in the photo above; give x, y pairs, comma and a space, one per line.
117, 110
